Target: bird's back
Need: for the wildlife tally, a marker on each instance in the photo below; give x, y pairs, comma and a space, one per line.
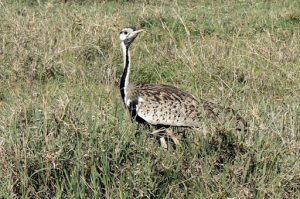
164, 105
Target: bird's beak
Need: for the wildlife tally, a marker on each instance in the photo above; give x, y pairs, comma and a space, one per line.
134, 34
138, 31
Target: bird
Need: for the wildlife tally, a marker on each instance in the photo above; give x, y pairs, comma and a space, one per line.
164, 106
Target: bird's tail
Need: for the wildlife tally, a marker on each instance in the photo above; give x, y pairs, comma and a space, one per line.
224, 116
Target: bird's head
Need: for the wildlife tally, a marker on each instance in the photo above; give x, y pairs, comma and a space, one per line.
127, 35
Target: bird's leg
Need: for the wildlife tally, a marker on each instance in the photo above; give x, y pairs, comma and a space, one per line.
169, 132
162, 139
163, 142
158, 131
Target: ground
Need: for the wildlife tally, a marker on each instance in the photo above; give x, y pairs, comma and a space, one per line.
64, 132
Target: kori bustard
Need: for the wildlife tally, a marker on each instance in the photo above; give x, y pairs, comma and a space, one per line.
167, 106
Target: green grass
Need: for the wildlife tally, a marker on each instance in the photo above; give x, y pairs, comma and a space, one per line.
64, 132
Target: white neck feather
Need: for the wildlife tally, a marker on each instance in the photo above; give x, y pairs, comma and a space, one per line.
129, 64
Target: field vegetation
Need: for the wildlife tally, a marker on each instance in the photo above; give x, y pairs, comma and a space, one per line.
64, 132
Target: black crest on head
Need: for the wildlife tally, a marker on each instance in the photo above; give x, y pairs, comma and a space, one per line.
132, 27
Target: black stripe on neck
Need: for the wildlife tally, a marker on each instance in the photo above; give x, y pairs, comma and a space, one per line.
125, 73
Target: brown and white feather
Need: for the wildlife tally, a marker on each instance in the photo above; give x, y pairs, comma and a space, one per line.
164, 105
168, 105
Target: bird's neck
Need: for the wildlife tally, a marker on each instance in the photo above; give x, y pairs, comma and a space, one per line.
125, 76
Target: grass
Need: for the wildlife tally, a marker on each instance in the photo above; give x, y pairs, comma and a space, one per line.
64, 132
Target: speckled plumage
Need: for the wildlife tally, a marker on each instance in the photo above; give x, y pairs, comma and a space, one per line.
164, 105
170, 106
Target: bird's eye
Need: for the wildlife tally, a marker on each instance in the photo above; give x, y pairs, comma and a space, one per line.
125, 32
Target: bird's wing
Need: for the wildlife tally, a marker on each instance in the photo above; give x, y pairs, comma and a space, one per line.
164, 105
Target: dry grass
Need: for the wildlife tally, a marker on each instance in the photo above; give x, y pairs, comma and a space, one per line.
64, 132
